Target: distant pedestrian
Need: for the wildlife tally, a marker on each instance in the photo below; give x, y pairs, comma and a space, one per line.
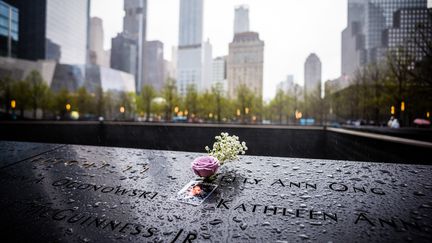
395, 124
389, 123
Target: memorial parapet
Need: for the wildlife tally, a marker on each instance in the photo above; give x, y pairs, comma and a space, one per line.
75, 193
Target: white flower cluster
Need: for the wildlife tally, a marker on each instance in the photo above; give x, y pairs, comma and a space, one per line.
226, 147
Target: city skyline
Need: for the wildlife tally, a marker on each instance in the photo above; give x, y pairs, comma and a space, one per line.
319, 31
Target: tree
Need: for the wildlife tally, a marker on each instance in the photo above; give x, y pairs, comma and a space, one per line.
61, 99
128, 102
109, 105
6, 84
169, 93
245, 98
84, 101
206, 105
191, 100
277, 105
217, 91
38, 90
148, 93
21, 93
100, 101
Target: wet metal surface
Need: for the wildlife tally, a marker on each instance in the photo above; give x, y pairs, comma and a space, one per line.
14, 152
101, 194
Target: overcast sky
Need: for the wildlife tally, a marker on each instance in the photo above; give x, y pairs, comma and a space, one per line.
291, 30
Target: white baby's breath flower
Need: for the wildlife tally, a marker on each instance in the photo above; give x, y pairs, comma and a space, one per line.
226, 147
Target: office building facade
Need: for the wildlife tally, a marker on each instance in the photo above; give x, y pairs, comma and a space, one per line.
53, 30
124, 54
8, 30
134, 28
154, 68
193, 56
245, 64
364, 40
241, 19
96, 38
410, 35
312, 75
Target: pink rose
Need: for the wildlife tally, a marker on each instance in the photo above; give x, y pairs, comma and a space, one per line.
205, 166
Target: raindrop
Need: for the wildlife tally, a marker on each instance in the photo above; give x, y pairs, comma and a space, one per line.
69, 231
235, 219
215, 221
243, 226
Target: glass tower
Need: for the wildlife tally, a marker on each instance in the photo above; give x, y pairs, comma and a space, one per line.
379, 17
8, 30
53, 29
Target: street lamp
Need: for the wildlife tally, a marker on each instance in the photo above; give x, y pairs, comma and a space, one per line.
122, 109
246, 110
210, 115
298, 115
238, 112
402, 106
13, 104
68, 107
176, 109
427, 114
392, 110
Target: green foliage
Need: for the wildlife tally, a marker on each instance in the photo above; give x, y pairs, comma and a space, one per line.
148, 93
6, 84
169, 93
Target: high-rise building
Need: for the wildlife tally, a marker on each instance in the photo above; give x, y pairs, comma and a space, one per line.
363, 41
154, 68
241, 19
127, 49
312, 75
169, 70
97, 53
245, 63
191, 22
378, 17
8, 30
124, 54
219, 69
290, 87
410, 34
192, 55
219, 72
53, 30
207, 60
353, 47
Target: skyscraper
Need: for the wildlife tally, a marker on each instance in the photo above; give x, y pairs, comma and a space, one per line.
378, 17
245, 63
97, 54
154, 68
312, 76
53, 29
363, 41
241, 19
127, 49
8, 30
124, 54
410, 34
191, 22
192, 54
219, 73
219, 69
353, 47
